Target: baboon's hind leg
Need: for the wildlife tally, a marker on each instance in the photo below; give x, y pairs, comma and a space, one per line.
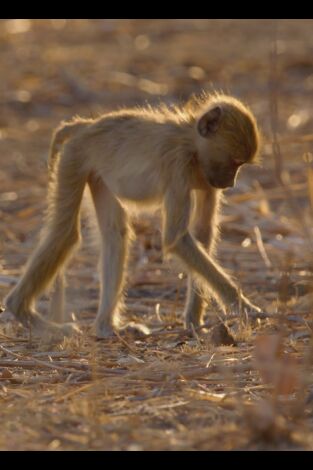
59, 237
57, 311
113, 228
204, 227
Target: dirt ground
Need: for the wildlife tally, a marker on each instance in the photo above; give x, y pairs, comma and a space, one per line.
171, 390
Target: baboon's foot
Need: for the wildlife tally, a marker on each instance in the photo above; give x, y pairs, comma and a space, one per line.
7, 316
192, 321
51, 331
39, 326
26, 316
200, 331
102, 330
55, 333
137, 329
12, 306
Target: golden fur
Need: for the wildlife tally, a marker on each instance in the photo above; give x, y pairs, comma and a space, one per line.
177, 157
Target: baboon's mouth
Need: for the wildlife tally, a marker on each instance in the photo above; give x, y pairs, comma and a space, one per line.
221, 185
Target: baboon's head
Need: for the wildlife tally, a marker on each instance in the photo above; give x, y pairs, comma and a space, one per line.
227, 138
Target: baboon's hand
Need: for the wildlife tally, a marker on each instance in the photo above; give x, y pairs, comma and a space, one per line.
251, 310
247, 308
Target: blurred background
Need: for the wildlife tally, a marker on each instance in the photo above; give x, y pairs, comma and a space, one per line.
56, 68
53, 69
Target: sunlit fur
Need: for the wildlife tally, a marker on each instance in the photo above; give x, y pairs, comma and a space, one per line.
147, 156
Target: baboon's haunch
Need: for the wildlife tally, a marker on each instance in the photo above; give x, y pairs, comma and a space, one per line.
179, 158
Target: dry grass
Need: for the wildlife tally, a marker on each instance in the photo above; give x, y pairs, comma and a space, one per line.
169, 390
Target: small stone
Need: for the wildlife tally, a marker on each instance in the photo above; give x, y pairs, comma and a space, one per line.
221, 336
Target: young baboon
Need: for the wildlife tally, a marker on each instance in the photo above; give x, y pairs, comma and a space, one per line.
180, 158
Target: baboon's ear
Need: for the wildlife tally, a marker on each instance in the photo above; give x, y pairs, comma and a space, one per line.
209, 122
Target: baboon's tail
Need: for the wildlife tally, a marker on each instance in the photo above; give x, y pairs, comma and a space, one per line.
60, 135
62, 228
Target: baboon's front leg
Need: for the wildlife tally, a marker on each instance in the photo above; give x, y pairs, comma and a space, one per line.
204, 228
178, 241
220, 284
114, 233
